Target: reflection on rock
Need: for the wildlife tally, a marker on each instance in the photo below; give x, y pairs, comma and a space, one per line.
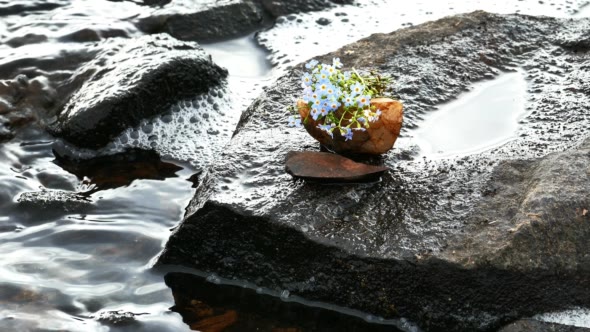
208, 307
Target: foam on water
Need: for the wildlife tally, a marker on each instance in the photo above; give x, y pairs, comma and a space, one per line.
577, 317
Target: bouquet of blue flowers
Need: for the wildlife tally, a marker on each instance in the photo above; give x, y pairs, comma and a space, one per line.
339, 101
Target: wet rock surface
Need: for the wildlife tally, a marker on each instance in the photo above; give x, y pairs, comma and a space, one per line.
469, 243
129, 81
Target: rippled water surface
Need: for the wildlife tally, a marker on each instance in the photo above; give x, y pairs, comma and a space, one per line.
84, 263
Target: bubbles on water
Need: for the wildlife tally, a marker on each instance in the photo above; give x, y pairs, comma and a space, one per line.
213, 278
194, 130
285, 294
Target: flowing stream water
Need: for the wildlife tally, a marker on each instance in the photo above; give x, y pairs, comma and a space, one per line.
70, 266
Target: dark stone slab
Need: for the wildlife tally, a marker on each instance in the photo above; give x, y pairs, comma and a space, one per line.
530, 325
24, 7
329, 167
129, 81
204, 21
462, 244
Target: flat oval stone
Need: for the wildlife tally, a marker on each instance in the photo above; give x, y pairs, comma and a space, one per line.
329, 167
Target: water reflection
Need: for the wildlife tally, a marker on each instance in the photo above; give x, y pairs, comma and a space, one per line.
208, 307
483, 118
119, 170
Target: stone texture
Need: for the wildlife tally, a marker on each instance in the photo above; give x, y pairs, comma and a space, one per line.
378, 139
328, 167
463, 244
127, 83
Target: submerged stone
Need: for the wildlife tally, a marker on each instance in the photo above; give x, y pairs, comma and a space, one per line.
55, 201
127, 83
464, 244
329, 167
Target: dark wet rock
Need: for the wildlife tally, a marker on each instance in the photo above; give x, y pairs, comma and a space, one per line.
530, 325
20, 99
148, 2
204, 21
92, 35
54, 201
29, 38
131, 80
117, 170
323, 21
284, 7
23, 7
329, 167
464, 244
205, 305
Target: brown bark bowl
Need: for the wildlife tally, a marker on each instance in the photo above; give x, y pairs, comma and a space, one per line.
377, 139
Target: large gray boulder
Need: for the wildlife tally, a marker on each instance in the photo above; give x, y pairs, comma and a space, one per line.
130, 80
463, 244
204, 20
213, 20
